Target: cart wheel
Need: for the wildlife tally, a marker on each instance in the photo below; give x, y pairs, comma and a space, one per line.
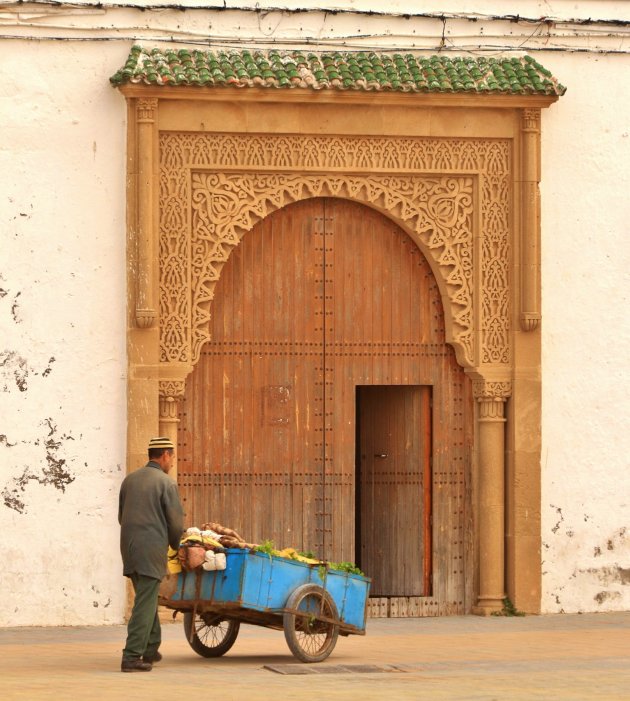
211, 636
309, 638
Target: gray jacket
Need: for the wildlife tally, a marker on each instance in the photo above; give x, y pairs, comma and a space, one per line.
151, 518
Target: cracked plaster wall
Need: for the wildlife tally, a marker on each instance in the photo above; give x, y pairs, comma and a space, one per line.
62, 330
586, 337
62, 335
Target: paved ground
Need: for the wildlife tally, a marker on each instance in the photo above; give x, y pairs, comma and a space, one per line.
537, 657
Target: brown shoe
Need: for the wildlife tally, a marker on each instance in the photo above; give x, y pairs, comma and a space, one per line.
135, 665
155, 657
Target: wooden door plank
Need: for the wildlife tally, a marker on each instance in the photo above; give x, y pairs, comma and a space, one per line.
249, 420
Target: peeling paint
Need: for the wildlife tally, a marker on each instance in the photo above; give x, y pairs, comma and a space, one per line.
55, 472
16, 369
602, 596
48, 369
556, 528
15, 309
601, 577
96, 603
13, 367
613, 574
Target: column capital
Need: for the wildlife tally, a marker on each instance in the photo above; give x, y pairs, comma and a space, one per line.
172, 389
531, 120
492, 390
145, 318
491, 396
171, 393
146, 108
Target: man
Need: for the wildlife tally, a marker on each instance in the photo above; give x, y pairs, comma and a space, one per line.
151, 518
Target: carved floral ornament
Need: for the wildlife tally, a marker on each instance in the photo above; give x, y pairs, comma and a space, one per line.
495, 390
172, 388
215, 188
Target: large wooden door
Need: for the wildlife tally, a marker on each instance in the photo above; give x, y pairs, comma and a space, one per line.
320, 298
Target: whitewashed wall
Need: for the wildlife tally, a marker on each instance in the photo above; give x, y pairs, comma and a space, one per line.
62, 289
586, 336
62, 321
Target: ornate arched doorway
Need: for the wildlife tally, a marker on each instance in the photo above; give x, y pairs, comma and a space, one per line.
327, 411
459, 174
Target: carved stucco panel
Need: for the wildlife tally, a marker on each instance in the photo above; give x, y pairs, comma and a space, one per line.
215, 188
495, 260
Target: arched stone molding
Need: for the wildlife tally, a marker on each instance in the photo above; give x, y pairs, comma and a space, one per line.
436, 212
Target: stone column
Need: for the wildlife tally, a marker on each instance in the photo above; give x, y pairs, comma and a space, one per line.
530, 220
171, 393
491, 397
143, 330
146, 311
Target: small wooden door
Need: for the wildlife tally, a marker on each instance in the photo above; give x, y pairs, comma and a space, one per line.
394, 488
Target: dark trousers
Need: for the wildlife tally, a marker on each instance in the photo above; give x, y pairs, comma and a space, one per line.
144, 634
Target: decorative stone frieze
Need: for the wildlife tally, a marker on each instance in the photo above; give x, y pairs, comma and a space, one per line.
220, 175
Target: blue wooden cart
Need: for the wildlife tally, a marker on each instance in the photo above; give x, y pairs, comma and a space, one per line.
311, 603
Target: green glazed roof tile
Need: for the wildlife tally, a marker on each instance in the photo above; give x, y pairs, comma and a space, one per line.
367, 71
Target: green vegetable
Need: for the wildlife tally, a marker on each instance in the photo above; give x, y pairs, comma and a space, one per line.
348, 567
267, 547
